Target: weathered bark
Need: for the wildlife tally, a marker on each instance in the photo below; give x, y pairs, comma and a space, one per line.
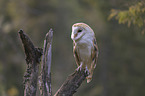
45, 76
33, 56
72, 83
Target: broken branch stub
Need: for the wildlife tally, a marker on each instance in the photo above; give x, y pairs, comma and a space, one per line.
45, 76
33, 57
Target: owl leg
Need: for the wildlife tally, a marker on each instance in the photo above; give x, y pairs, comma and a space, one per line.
80, 67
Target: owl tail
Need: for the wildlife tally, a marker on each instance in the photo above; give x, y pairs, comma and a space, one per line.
89, 78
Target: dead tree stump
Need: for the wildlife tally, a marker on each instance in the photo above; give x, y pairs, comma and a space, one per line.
33, 58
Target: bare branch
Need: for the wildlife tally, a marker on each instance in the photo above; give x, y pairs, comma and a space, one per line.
72, 83
45, 76
33, 57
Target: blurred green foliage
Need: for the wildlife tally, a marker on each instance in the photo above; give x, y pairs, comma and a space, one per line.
121, 63
134, 15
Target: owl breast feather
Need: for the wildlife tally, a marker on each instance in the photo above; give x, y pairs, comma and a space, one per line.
84, 50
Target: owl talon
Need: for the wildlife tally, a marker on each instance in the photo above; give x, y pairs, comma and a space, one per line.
87, 71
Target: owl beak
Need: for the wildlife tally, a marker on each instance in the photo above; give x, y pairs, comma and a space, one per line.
73, 36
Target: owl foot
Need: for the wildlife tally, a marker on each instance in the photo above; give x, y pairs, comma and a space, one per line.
87, 71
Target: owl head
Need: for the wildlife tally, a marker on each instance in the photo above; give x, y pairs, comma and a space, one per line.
80, 30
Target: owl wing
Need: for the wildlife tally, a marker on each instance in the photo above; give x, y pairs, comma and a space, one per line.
76, 55
95, 53
94, 57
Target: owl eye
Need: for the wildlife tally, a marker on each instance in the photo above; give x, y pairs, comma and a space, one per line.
79, 30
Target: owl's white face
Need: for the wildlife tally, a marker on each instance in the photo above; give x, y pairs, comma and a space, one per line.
80, 30
77, 33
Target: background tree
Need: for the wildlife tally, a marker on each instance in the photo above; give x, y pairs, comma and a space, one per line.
134, 15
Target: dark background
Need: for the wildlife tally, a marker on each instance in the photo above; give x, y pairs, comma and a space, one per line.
120, 70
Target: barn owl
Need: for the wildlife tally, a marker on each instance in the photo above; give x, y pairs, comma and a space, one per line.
85, 48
